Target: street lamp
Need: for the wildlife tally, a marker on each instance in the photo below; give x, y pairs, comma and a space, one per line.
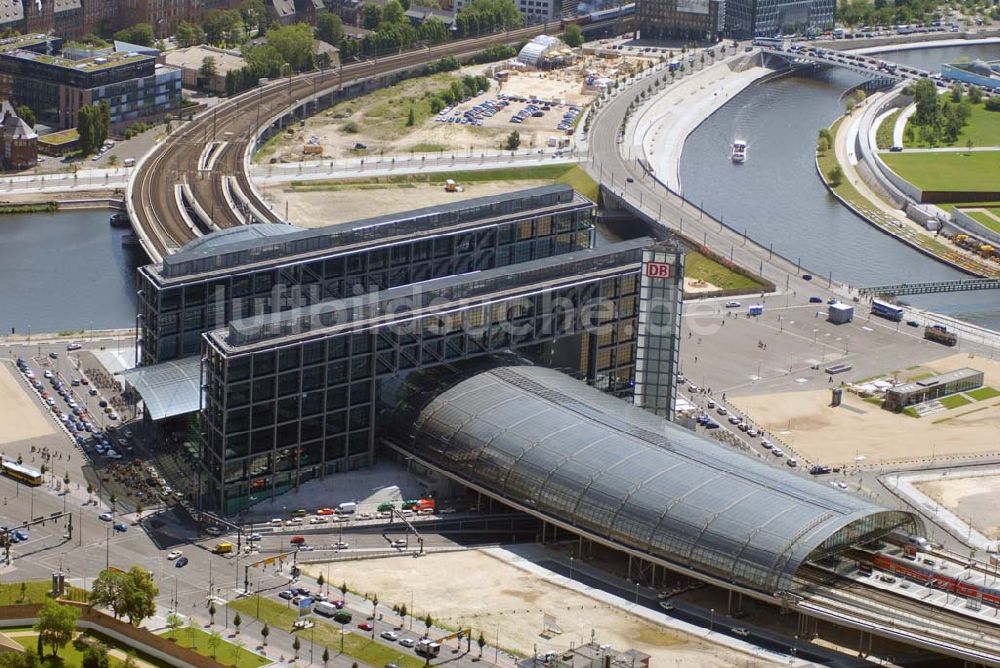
571, 568
711, 620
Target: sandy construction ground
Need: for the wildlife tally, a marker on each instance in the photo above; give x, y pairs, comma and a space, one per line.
479, 590
971, 498
327, 207
21, 416
835, 436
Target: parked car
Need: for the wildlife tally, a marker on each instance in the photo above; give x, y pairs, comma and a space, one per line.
181, 563
176, 554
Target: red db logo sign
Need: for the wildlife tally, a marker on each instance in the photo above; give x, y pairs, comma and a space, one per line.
657, 270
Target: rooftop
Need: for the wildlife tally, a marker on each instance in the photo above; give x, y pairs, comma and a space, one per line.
192, 57
86, 65
20, 41
408, 301
950, 377
198, 257
557, 448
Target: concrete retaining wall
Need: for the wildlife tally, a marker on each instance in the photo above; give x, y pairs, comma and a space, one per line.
966, 224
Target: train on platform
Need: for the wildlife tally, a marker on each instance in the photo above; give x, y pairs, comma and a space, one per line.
927, 576
600, 15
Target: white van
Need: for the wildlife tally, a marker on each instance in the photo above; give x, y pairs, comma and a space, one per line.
129, 162
325, 608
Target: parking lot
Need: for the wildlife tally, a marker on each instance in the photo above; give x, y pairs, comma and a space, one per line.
533, 113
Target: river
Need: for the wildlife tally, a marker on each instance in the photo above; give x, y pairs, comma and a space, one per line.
64, 271
777, 197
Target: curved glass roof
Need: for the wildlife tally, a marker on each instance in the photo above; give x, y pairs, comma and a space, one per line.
548, 442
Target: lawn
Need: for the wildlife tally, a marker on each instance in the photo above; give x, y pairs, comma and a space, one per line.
948, 171
71, 656
954, 401
985, 220
279, 616
700, 267
983, 393
35, 591
573, 175
983, 129
225, 652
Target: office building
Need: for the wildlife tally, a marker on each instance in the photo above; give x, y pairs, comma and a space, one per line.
909, 394
56, 87
292, 396
695, 20
767, 18
535, 11
260, 269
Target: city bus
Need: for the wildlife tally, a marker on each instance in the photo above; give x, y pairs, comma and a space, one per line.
773, 42
28, 476
887, 310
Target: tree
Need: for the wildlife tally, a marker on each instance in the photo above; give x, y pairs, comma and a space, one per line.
326, 656
371, 15
926, 98
188, 34
96, 656
835, 175
573, 36
140, 33
263, 61
85, 128
237, 620
975, 95
956, 92
140, 595
174, 622
481, 641
393, 12
56, 624
343, 589
329, 28
512, 142
211, 613
487, 16
428, 622
26, 114
296, 645
265, 632
108, 592
402, 611
294, 43
822, 145
320, 581
208, 68
213, 642
253, 13
223, 27
411, 118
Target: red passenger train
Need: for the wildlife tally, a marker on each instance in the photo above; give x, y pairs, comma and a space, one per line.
931, 578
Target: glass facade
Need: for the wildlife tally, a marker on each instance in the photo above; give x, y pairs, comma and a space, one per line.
678, 19
767, 18
546, 442
281, 411
175, 313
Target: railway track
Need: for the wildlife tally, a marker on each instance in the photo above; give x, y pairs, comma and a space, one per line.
155, 215
908, 616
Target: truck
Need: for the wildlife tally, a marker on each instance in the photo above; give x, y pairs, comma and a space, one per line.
428, 647
940, 334
347, 508
223, 548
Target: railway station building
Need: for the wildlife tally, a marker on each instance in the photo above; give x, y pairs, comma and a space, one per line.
260, 269
294, 395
